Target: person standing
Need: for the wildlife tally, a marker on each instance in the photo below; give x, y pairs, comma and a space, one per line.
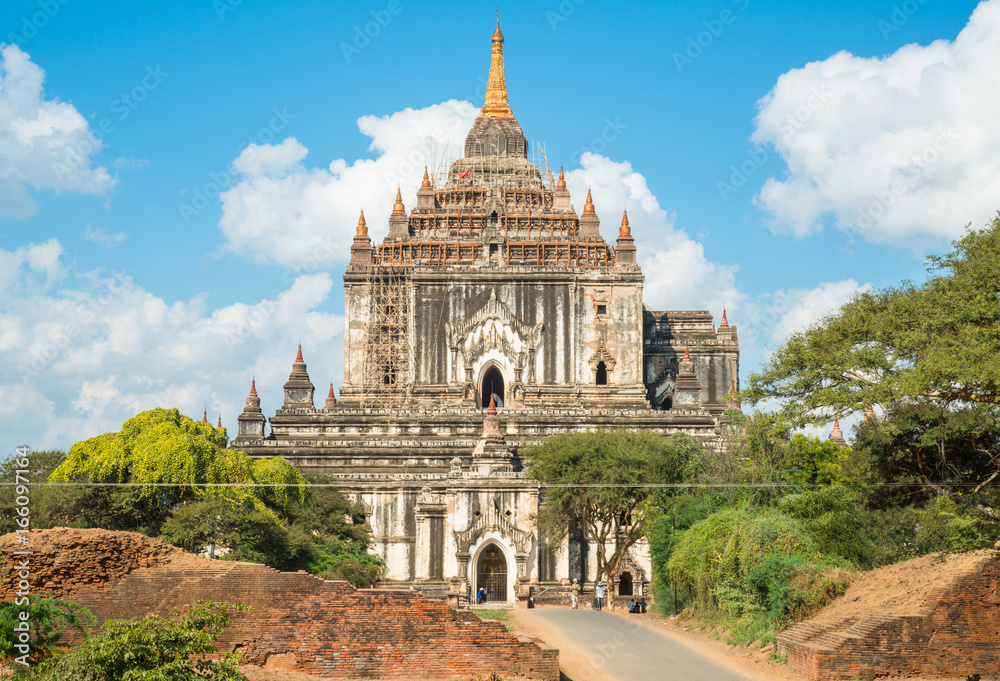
599, 595
575, 595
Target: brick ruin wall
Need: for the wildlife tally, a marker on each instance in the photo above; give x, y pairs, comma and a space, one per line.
297, 622
955, 632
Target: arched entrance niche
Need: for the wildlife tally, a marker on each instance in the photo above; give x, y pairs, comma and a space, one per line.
492, 573
492, 384
625, 587
601, 375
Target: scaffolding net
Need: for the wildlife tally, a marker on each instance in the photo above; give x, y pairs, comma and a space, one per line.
385, 378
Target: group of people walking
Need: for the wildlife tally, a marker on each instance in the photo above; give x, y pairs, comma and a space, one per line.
634, 606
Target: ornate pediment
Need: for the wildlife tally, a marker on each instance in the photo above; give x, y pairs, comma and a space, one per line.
602, 355
492, 519
494, 310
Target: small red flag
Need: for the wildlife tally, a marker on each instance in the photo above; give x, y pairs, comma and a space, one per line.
465, 174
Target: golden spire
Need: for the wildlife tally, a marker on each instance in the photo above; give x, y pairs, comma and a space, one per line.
624, 230
562, 180
426, 182
496, 105
398, 207
588, 208
362, 226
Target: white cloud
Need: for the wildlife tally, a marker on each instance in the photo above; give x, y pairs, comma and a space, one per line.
80, 359
44, 144
770, 320
678, 274
903, 148
99, 236
283, 212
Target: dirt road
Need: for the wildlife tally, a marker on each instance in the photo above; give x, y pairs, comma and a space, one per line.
605, 646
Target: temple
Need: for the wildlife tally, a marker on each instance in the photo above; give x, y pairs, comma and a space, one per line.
492, 315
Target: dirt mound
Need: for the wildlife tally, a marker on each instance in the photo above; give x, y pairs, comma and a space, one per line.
904, 588
65, 559
938, 615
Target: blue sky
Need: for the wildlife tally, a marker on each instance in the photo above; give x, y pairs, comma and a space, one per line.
775, 157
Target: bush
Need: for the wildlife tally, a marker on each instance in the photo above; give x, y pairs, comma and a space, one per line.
48, 618
150, 649
831, 516
761, 570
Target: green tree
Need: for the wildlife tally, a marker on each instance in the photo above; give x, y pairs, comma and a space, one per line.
927, 354
601, 481
938, 341
44, 502
153, 648
920, 449
752, 464
812, 461
240, 531
163, 456
48, 619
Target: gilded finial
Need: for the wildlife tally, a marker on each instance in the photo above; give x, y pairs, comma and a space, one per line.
496, 105
588, 207
561, 184
624, 230
362, 226
398, 207
426, 182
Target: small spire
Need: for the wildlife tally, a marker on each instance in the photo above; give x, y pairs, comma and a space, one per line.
561, 184
426, 182
398, 207
496, 105
298, 357
713, 329
220, 420
725, 322
253, 387
837, 435
687, 355
331, 391
362, 225
492, 411
624, 230
869, 412
588, 207
204, 416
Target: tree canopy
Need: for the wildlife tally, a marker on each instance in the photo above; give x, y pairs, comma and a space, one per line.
939, 341
601, 481
163, 457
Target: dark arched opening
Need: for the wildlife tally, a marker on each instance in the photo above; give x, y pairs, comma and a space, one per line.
491, 575
602, 374
492, 385
625, 584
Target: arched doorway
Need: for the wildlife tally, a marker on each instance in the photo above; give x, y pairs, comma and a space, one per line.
492, 385
491, 574
625, 584
602, 374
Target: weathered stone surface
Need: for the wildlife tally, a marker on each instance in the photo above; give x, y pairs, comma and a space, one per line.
492, 285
